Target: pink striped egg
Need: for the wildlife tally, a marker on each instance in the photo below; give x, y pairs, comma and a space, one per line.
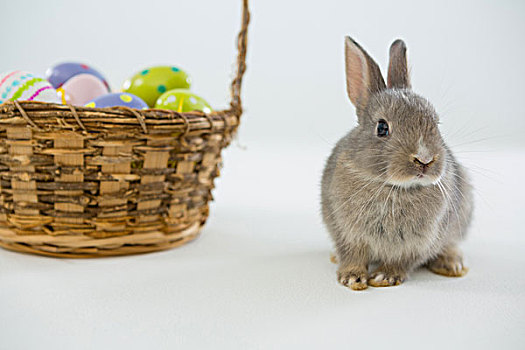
25, 86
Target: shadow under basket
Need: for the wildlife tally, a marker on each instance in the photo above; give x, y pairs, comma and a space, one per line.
92, 182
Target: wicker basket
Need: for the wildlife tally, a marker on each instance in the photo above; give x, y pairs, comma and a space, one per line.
88, 182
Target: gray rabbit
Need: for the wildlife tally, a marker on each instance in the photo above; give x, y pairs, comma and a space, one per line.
393, 194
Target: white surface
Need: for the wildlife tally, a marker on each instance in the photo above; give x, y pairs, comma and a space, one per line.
259, 277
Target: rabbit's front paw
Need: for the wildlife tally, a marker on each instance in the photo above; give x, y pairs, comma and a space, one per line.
386, 278
449, 264
353, 279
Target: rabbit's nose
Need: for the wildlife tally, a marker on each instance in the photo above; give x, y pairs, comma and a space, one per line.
423, 160
423, 156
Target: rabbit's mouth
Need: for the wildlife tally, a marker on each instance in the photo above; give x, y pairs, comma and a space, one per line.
416, 180
427, 180
416, 170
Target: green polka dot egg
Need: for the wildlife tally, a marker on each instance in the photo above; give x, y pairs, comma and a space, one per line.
182, 100
152, 82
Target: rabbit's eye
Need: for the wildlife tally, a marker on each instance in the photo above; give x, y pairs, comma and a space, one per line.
382, 128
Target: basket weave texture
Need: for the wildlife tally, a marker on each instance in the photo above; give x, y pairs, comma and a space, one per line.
91, 182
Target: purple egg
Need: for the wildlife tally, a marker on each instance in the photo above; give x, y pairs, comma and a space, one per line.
61, 73
117, 99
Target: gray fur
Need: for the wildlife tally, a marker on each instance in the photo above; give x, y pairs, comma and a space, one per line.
374, 206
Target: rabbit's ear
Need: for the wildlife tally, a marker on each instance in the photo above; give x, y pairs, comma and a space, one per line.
397, 68
363, 76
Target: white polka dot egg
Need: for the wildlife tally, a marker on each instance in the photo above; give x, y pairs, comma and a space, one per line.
25, 86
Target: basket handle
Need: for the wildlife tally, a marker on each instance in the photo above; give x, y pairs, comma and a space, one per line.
242, 42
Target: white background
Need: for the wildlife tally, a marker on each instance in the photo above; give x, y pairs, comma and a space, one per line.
259, 275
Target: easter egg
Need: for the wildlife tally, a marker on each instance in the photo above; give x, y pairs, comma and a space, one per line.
62, 72
182, 100
25, 86
152, 82
81, 89
118, 99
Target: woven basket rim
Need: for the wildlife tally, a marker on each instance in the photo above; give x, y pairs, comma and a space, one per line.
71, 117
